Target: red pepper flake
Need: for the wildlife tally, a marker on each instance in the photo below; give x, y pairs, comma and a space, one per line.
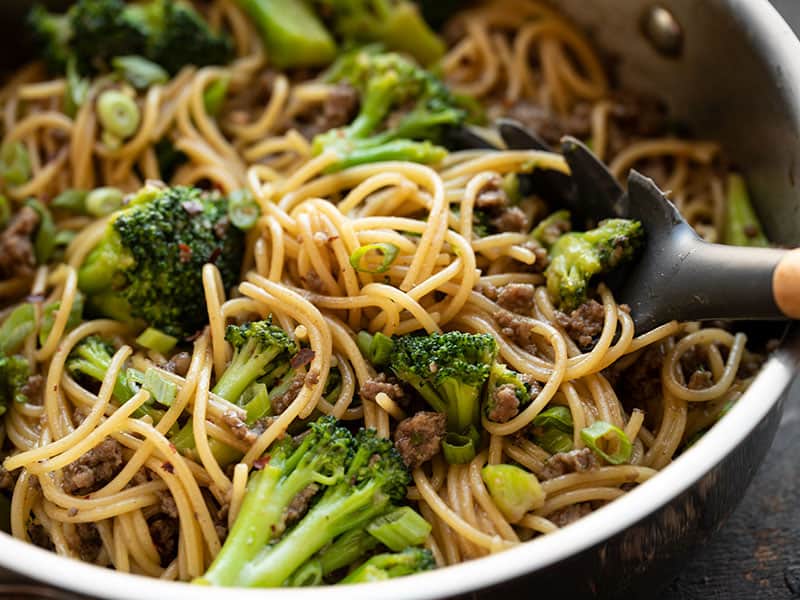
167, 466
173, 448
185, 252
302, 358
215, 255
260, 463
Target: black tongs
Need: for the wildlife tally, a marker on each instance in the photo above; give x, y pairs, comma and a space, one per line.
677, 275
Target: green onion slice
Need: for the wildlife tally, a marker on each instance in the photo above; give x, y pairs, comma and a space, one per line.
558, 417
243, 210
214, 96
103, 201
400, 529
118, 113
161, 390
388, 251
77, 89
600, 430
71, 200
458, 449
138, 71
17, 326
157, 340
255, 401
15, 164
45, 241
554, 440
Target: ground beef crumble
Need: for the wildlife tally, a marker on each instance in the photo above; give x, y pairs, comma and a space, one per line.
583, 323
17, 257
382, 383
569, 514
418, 438
517, 297
94, 469
574, 461
86, 541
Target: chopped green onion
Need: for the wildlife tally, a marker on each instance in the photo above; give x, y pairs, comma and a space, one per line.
15, 165
255, 401
514, 490
17, 326
5, 211
243, 210
600, 430
138, 71
364, 342
388, 251
511, 187
308, 575
118, 113
214, 96
554, 440
558, 417
157, 340
49, 317
458, 449
71, 200
345, 550
161, 390
375, 348
103, 201
742, 227
77, 89
45, 241
400, 528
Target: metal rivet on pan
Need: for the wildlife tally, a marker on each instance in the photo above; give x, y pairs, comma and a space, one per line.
663, 31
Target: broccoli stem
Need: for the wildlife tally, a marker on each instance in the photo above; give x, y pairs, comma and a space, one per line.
406, 31
291, 33
251, 530
742, 227
248, 364
332, 516
404, 150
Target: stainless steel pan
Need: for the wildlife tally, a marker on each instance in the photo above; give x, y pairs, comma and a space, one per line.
730, 68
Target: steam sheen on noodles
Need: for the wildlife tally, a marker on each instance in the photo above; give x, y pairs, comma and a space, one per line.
297, 268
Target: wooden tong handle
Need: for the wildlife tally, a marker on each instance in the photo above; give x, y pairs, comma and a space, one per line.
786, 284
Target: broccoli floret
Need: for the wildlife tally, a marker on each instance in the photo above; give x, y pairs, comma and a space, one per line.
356, 479
179, 37
577, 257
504, 378
52, 34
93, 32
259, 347
396, 24
388, 82
91, 358
101, 30
391, 565
14, 373
449, 370
149, 263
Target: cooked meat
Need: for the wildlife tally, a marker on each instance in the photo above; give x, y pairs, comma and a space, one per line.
574, 461
505, 404
492, 195
510, 220
178, 363
17, 257
700, 380
583, 323
94, 469
340, 107
281, 402
299, 504
517, 297
639, 386
419, 438
167, 503
382, 383
86, 541
33, 388
542, 258
569, 514
550, 126
164, 533
39, 536
238, 427
634, 117
517, 328
313, 282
